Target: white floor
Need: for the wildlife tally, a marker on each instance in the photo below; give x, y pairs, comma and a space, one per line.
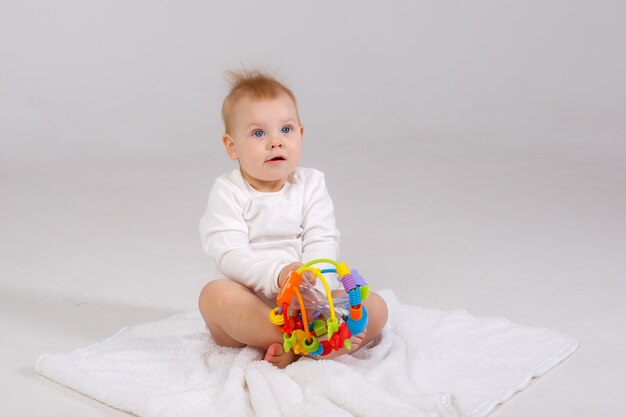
100, 241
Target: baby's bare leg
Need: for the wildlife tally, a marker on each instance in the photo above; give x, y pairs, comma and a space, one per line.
236, 317
377, 313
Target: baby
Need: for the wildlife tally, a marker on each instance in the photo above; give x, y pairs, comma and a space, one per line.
265, 219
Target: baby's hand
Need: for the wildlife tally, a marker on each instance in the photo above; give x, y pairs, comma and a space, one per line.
284, 273
309, 276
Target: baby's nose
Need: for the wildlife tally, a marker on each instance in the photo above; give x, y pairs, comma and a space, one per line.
276, 142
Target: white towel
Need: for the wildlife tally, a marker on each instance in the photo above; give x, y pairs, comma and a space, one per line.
427, 363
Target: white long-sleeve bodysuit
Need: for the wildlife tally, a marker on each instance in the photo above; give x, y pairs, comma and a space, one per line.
252, 235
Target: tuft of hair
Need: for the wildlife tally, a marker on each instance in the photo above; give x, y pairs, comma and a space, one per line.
252, 83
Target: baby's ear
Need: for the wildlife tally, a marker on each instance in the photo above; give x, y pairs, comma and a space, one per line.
229, 144
301, 130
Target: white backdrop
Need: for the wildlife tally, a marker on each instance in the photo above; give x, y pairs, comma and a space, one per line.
80, 78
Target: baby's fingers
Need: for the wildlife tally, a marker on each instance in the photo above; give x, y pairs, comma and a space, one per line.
309, 276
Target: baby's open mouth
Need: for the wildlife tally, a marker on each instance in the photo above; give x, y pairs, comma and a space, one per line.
278, 158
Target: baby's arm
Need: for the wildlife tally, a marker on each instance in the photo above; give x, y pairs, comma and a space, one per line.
225, 238
320, 237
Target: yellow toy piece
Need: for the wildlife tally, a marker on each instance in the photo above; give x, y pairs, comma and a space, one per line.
276, 318
342, 270
298, 347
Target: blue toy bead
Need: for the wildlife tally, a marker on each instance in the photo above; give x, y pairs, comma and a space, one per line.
358, 326
355, 297
318, 352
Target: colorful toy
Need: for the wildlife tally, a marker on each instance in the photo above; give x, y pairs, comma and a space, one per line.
338, 318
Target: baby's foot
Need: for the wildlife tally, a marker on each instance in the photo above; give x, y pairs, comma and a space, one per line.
355, 342
276, 355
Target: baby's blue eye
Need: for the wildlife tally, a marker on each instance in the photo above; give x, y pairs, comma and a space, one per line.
287, 129
258, 133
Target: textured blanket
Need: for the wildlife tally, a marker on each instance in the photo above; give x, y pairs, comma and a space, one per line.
427, 363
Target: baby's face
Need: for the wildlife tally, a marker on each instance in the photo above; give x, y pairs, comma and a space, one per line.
266, 139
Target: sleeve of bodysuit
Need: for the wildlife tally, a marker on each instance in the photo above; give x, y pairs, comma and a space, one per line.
224, 235
320, 238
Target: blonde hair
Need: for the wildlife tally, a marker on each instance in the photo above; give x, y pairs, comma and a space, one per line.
255, 84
